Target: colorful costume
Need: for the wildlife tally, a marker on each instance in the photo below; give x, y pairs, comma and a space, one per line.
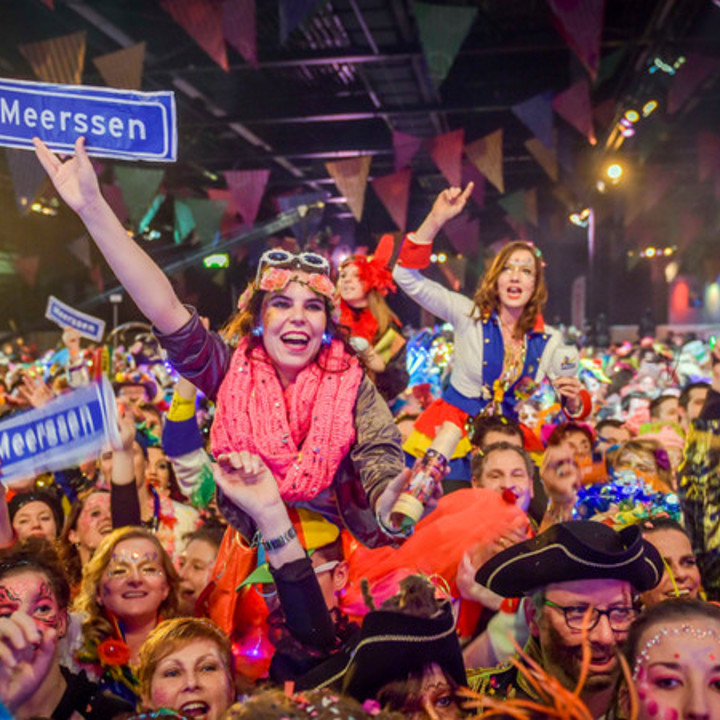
478, 377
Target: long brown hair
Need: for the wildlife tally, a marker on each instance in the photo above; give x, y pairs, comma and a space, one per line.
486, 296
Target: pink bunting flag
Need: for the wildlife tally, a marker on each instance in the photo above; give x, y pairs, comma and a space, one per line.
394, 193
27, 268
691, 75
123, 68
708, 145
573, 105
580, 22
487, 156
464, 233
203, 21
247, 188
405, 147
350, 177
239, 28
59, 60
230, 220
446, 151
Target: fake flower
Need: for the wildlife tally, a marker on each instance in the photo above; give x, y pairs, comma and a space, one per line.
321, 284
275, 279
662, 459
113, 652
244, 299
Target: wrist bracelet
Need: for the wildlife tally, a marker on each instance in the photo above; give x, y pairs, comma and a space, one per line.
391, 531
280, 541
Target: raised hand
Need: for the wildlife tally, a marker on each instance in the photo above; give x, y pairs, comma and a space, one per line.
74, 179
448, 204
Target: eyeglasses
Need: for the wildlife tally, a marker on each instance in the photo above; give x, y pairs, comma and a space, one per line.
620, 618
326, 567
308, 261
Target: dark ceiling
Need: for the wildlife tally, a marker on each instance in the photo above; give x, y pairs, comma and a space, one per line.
341, 83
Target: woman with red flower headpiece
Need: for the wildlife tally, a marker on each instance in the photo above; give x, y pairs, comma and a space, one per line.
374, 329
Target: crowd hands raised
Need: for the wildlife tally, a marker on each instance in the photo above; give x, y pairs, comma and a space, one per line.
247, 561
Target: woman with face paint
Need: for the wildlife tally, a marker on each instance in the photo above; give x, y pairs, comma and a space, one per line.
673, 651
34, 597
128, 587
287, 389
501, 342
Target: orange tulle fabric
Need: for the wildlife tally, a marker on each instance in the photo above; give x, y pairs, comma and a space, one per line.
462, 520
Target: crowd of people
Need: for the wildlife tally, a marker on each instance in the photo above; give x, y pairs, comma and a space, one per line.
244, 548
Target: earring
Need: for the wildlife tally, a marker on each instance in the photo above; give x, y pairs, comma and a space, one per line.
326, 338
257, 331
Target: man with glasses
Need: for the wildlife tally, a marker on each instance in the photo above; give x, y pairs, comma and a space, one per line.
578, 576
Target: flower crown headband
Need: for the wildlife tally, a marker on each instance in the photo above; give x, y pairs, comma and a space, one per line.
275, 279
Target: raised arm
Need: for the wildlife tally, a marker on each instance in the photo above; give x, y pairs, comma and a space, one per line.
448, 204
77, 184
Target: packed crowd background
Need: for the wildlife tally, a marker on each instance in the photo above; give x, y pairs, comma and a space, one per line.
247, 547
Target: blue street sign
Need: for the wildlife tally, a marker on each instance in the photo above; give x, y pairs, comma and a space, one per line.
116, 123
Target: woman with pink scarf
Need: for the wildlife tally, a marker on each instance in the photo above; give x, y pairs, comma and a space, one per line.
290, 395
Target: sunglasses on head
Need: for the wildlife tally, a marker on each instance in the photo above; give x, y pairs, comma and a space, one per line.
308, 261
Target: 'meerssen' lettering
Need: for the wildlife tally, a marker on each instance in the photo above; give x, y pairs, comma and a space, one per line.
78, 122
15, 444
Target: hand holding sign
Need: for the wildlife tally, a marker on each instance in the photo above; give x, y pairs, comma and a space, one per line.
75, 179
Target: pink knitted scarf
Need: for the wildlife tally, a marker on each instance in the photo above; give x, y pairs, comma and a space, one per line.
303, 432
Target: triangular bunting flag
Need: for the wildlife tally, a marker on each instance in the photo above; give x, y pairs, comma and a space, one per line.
580, 22
80, 248
514, 205
446, 151
691, 75
350, 177
311, 222
59, 60
573, 105
292, 13
203, 21
471, 174
207, 215
394, 193
464, 233
405, 147
487, 156
247, 188
531, 207
49, 3
442, 30
124, 68
184, 221
27, 268
28, 177
139, 187
545, 158
113, 195
239, 28
708, 145
150, 214
536, 114
230, 220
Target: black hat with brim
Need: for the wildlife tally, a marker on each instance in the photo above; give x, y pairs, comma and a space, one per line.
392, 646
569, 551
